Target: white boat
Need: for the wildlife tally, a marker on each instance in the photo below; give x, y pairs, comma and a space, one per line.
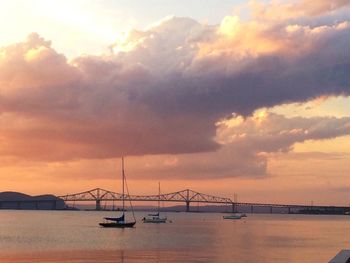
243, 214
233, 216
155, 218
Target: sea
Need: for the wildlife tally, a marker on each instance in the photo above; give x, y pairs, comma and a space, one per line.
75, 236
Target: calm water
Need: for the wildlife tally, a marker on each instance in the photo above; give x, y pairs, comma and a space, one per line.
70, 236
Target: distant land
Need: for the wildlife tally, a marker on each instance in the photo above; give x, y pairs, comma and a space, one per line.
15, 200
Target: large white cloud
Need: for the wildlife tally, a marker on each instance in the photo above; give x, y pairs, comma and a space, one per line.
165, 88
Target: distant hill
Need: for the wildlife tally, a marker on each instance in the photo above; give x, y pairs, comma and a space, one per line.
15, 200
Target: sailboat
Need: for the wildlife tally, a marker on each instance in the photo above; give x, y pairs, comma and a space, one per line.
120, 222
155, 218
235, 215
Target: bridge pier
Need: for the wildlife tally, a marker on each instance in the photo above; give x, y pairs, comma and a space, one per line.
288, 210
233, 207
187, 206
270, 209
251, 208
98, 205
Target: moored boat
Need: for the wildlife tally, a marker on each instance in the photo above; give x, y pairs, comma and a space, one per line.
233, 216
155, 218
120, 222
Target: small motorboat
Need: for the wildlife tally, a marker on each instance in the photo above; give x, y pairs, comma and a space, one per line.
233, 216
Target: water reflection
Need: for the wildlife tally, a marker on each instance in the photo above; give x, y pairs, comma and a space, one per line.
46, 236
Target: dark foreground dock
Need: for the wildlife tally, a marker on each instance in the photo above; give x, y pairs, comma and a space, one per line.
342, 257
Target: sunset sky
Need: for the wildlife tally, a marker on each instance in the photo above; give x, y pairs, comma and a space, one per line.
220, 96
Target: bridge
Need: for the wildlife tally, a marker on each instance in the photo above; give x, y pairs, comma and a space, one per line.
188, 196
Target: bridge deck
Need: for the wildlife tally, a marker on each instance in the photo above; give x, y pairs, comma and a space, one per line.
187, 196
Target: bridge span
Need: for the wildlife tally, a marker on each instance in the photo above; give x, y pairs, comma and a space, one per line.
188, 196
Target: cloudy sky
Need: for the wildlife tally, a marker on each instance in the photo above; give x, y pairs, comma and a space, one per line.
224, 97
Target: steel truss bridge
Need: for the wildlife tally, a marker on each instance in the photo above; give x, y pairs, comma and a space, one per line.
186, 196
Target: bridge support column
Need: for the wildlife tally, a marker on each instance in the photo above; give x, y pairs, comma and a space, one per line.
98, 204
251, 208
270, 209
36, 205
187, 206
288, 210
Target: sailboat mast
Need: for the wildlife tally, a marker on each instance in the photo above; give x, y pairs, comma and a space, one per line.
123, 179
158, 197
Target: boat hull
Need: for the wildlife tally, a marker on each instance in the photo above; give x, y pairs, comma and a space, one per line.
232, 217
118, 225
154, 220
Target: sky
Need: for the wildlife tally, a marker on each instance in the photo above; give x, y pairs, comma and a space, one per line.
223, 97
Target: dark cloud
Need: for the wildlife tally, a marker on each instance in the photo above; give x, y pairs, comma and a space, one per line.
246, 147
165, 88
